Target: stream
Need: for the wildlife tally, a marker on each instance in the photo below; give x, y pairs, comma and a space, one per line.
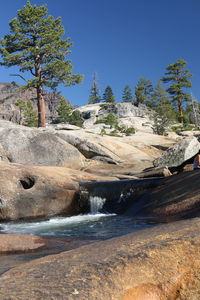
94, 225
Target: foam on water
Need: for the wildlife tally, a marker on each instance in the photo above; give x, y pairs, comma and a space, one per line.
96, 204
62, 226
94, 225
35, 227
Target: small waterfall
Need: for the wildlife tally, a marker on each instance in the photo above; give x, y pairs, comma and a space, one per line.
96, 204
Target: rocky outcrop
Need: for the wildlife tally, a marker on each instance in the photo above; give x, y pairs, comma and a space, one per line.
137, 150
63, 146
127, 114
78, 148
35, 146
37, 191
179, 153
89, 146
11, 92
158, 263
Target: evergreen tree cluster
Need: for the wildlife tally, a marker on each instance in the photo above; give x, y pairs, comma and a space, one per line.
66, 114
170, 103
36, 45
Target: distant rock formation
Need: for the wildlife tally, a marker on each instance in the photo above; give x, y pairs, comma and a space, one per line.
127, 114
11, 92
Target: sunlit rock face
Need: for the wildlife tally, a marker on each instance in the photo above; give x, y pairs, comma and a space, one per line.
179, 153
37, 146
78, 148
127, 114
158, 263
33, 191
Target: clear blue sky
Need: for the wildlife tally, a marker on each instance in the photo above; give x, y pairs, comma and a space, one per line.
121, 40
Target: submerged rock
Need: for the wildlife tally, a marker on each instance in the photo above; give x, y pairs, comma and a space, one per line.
27, 243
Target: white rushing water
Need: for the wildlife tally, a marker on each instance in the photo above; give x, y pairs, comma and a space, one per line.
67, 224
96, 204
49, 225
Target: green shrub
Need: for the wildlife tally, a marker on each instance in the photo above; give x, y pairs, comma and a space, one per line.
114, 133
76, 118
130, 131
110, 119
126, 130
66, 115
103, 131
190, 127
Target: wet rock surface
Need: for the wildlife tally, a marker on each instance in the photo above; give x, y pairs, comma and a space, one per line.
158, 263
16, 249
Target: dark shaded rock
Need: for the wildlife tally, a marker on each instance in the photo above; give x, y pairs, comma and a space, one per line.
118, 195
176, 196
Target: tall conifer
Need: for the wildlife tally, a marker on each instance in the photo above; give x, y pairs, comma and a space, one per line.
127, 95
108, 95
178, 77
143, 91
36, 46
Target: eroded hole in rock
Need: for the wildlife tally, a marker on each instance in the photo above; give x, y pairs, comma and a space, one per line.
27, 182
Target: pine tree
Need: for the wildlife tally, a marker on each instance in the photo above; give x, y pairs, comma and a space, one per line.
161, 103
127, 95
22, 106
143, 91
36, 46
28, 116
94, 93
67, 115
64, 111
108, 95
178, 76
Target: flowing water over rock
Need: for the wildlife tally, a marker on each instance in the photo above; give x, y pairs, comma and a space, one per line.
95, 225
